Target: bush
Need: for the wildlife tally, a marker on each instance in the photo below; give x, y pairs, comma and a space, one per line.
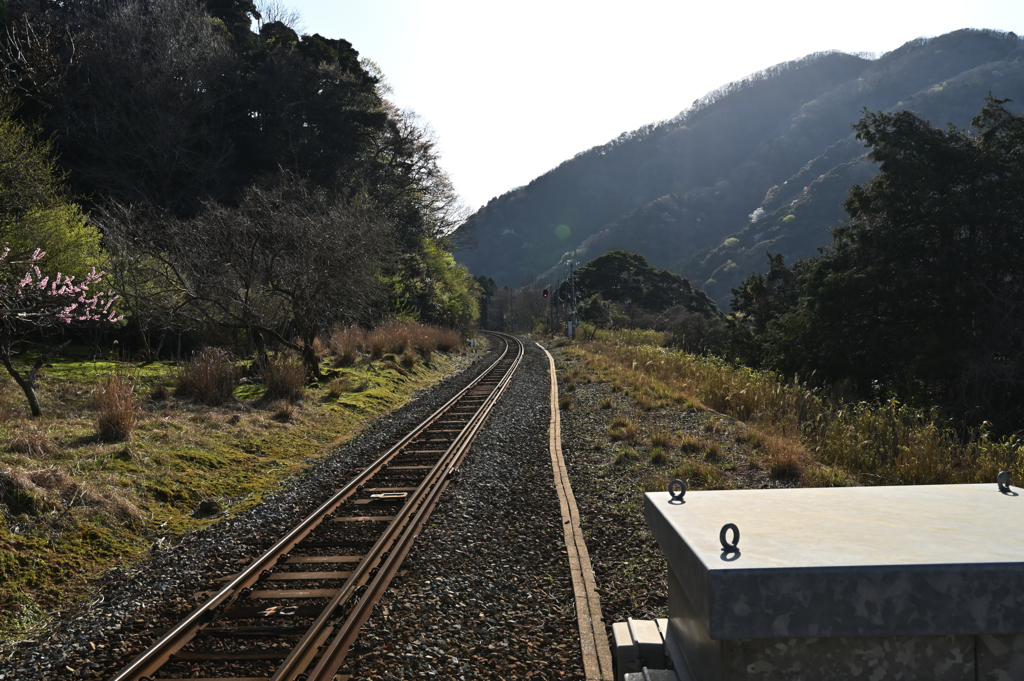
210, 378
118, 408
284, 378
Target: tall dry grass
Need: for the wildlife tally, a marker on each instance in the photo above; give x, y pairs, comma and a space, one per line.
118, 408
346, 344
284, 378
209, 378
399, 338
806, 431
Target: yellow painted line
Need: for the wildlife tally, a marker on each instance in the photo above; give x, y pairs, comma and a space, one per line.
597, 653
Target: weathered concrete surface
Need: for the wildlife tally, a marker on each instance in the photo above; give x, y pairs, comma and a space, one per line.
908, 583
861, 561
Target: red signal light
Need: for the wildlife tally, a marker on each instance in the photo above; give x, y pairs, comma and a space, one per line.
545, 293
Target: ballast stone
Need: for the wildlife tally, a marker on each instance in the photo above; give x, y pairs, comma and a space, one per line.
914, 582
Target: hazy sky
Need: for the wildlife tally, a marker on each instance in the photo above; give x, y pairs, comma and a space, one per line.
514, 88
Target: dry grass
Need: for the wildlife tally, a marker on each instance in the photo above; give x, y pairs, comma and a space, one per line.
338, 387
408, 360
31, 439
209, 378
804, 430
606, 403
283, 411
714, 425
400, 337
564, 401
664, 438
695, 473
623, 430
284, 378
72, 509
33, 492
345, 345
118, 408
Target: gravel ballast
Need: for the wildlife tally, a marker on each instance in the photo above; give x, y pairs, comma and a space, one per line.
484, 594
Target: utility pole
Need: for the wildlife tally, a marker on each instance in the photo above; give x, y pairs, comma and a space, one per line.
570, 279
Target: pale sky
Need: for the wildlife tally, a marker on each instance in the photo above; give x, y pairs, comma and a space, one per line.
512, 89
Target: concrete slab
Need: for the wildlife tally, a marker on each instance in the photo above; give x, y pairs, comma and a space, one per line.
937, 560
638, 644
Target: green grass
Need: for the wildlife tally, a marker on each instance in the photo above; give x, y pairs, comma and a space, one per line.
120, 497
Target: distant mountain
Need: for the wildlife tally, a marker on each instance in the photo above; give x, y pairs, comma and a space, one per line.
759, 165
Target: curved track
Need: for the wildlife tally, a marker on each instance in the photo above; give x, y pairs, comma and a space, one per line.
296, 610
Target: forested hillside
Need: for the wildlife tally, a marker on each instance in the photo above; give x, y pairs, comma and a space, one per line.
759, 165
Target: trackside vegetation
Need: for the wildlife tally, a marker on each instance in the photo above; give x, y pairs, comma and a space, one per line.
821, 437
122, 459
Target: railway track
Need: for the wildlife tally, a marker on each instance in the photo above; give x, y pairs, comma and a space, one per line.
295, 611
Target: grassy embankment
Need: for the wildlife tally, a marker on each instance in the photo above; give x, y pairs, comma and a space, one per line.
792, 431
73, 503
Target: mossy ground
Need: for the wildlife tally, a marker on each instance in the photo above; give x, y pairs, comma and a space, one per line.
98, 503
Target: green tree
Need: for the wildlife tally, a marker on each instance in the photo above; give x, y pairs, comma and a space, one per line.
921, 289
629, 280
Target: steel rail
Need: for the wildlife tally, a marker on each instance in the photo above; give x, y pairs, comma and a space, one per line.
154, 657
345, 635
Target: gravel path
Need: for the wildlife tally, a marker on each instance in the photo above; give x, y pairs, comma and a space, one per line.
97, 639
608, 480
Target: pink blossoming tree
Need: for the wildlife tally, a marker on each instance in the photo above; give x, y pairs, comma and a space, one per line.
32, 303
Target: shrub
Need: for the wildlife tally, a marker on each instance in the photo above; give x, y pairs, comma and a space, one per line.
658, 457
118, 408
564, 401
210, 378
606, 403
284, 378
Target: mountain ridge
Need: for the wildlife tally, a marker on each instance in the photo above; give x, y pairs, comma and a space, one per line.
678, 191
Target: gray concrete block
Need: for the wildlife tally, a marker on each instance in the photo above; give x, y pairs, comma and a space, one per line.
861, 561
910, 583
651, 647
1000, 658
624, 649
637, 644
